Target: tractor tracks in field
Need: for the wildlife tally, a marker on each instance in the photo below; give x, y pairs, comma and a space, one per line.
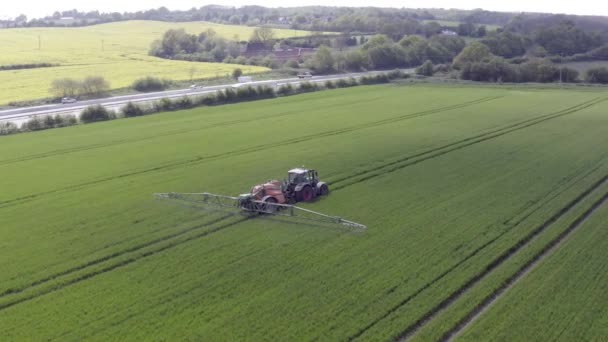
512, 222
414, 159
167, 134
506, 255
205, 233
111, 267
523, 271
257, 148
139, 247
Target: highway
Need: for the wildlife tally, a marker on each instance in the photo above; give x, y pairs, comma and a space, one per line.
115, 102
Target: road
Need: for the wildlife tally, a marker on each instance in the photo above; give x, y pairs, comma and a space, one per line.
115, 102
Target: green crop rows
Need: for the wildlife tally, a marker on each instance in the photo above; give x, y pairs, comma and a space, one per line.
461, 188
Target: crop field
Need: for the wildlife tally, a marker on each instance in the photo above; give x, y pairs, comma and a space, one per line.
116, 51
481, 203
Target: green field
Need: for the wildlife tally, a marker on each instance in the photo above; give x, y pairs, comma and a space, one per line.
572, 281
454, 24
123, 59
460, 187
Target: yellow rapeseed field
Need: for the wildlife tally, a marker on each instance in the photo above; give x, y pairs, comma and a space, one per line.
116, 51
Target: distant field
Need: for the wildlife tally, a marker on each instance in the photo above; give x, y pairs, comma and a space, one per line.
123, 59
459, 185
450, 23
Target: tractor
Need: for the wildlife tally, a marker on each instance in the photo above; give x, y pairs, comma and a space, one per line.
271, 198
301, 185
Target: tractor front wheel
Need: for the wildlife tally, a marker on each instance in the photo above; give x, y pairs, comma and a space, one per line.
323, 190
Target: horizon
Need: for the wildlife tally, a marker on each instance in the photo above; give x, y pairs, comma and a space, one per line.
35, 10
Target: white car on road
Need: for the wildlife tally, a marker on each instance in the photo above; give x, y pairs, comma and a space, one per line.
68, 100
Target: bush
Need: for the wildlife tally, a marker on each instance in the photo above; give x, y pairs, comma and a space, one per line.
230, 95
376, 79
395, 74
236, 73
34, 124
308, 86
292, 63
220, 96
240, 60
7, 128
208, 100
266, 92
163, 104
246, 93
131, 110
183, 102
150, 83
342, 83
96, 113
65, 120
425, 69
285, 89
569, 74
597, 75
329, 84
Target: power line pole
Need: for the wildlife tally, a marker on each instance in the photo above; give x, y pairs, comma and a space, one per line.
560, 67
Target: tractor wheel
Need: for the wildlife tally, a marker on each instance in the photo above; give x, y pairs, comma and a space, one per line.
269, 206
307, 194
324, 190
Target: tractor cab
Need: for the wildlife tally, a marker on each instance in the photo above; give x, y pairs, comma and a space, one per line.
300, 175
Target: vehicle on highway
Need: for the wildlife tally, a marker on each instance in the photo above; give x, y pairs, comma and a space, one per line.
305, 74
195, 86
68, 100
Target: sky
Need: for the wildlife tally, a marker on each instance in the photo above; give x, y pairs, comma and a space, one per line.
40, 8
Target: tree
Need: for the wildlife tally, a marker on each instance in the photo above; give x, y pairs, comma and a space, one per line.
476, 52
323, 61
191, 72
355, 60
65, 87
377, 40
262, 34
95, 85
425, 69
236, 73
387, 56
431, 29
597, 75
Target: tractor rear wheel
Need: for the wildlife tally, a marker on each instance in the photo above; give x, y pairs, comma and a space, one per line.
306, 194
270, 206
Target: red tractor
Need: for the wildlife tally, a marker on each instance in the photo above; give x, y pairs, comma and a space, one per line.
301, 185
